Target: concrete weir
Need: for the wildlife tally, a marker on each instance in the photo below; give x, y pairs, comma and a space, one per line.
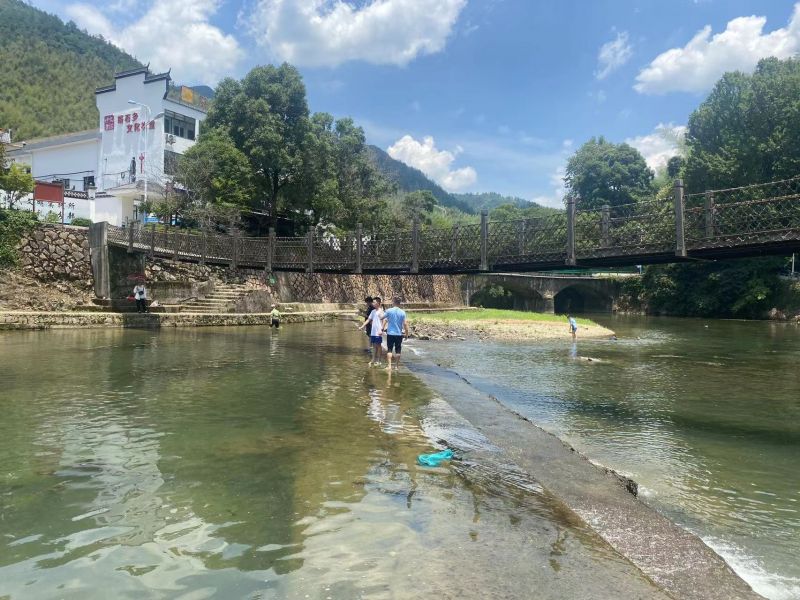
87, 320
675, 560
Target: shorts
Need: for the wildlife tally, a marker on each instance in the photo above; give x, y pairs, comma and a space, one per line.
376, 339
394, 342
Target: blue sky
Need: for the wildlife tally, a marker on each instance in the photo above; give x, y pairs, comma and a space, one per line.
490, 95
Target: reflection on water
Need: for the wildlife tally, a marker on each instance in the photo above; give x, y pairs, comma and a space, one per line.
245, 463
705, 415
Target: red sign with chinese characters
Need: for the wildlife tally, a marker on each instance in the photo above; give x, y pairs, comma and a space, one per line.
131, 122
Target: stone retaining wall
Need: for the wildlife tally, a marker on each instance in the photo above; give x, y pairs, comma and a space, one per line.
77, 320
57, 253
313, 287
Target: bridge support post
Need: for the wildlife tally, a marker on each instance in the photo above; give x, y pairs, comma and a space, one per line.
680, 241
571, 260
310, 251
521, 227
454, 245
605, 226
484, 240
415, 245
709, 214
176, 241
548, 304
152, 240
130, 238
270, 250
359, 247
203, 248
234, 251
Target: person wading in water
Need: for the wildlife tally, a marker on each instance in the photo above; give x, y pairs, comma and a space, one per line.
375, 321
367, 312
395, 326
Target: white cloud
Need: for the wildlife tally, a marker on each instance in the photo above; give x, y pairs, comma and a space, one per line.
698, 65
613, 55
173, 34
660, 145
330, 32
556, 198
435, 163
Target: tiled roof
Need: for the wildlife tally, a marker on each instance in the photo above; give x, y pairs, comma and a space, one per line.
148, 78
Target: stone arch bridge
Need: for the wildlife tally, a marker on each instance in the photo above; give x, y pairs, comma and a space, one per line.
548, 292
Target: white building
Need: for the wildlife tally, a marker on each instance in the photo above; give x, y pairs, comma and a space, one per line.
144, 125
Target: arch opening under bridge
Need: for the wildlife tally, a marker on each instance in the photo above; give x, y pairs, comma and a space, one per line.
580, 298
496, 295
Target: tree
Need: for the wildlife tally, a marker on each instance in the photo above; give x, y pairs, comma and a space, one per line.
266, 116
601, 172
419, 205
674, 166
747, 130
216, 177
17, 183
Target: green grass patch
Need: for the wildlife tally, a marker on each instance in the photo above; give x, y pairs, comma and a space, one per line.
495, 314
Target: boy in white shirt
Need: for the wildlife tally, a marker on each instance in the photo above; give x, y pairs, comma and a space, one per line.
375, 319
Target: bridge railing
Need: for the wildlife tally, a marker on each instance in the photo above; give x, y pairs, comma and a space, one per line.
754, 214
761, 214
641, 228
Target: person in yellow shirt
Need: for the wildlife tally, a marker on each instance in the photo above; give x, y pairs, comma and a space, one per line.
275, 318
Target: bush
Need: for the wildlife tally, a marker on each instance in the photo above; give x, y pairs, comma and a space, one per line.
52, 218
13, 225
81, 222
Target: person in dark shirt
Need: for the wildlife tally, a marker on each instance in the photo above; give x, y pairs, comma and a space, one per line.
367, 311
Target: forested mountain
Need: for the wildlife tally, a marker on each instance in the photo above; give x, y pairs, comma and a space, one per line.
49, 71
409, 179
491, 200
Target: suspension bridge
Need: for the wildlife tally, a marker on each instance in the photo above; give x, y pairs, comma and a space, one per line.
718, 224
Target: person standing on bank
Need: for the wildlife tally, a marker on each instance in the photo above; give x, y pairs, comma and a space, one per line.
275, 318
395, 326
140, 295
573, 326
375, 321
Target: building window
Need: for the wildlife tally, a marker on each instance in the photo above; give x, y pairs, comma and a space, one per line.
88, 181
171, 163
179, 125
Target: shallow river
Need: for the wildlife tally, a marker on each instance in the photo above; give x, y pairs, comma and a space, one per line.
705, 415
245, 463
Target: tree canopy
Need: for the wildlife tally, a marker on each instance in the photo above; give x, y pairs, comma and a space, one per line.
748, 129
16, 183
601, 172
308, 166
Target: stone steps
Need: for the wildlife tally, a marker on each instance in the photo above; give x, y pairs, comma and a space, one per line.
221, 300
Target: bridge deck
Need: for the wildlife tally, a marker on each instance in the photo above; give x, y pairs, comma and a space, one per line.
750, 221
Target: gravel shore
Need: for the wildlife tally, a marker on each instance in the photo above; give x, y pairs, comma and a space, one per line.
502, 329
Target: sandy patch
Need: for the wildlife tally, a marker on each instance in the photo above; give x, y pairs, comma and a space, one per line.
502, 329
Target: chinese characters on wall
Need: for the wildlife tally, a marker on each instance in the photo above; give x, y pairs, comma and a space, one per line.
130, 121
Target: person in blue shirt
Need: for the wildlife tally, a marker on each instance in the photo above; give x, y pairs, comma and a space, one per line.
573, 326
396, 327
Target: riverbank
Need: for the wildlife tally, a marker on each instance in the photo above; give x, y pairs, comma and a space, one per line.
499, 325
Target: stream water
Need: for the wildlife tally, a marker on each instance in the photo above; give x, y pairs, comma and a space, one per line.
247, 463
704, 415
